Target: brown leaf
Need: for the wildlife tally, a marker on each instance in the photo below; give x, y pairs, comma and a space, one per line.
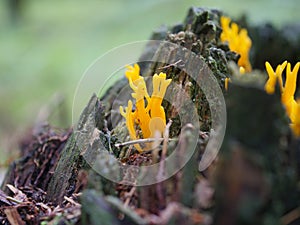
13, 216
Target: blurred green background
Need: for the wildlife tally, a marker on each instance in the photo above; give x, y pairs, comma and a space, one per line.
48, 46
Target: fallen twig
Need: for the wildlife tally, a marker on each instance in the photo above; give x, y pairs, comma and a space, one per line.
139, 141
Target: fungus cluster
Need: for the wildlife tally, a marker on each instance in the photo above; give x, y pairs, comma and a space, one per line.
238, 41
149, 115
287, 90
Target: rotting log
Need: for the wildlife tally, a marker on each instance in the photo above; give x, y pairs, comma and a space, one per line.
250, 154
257, 160
64, 179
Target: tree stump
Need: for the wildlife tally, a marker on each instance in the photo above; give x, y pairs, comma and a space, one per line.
257, 165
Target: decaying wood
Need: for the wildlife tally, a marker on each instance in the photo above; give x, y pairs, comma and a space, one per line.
254, 160
257, 167
64, 179
39, 158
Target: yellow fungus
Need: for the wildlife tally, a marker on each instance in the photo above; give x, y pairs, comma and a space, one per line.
295, 125
287, 90
133, 72
242, 70
130, 116
288, 93
158, 117
227, 80
150, 117
238, 41
142, 114
273, 76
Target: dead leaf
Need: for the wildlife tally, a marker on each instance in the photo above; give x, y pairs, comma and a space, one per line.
13, 216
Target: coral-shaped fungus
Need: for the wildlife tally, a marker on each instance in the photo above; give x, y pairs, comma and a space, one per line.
150, 117
238, 41
287, 91
226, 81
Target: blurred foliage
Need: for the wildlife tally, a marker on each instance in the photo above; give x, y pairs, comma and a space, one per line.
48, 49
